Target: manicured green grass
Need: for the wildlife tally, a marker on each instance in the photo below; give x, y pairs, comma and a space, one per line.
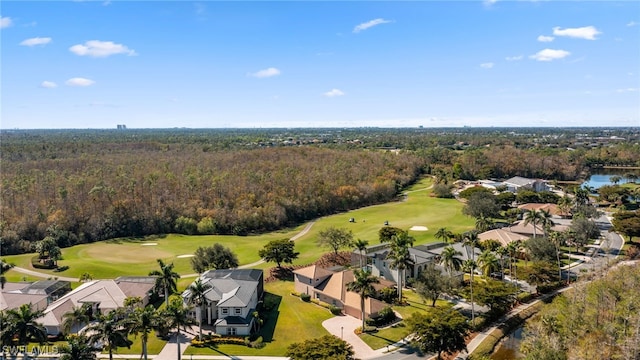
154, 345
292, 321
109, 259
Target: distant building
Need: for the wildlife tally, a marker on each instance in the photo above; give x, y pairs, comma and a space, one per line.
122, 127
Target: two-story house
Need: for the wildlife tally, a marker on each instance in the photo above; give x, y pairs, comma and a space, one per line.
231, 299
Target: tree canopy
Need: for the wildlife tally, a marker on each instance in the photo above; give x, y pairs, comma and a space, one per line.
442, 330
279, 251
328, 347
213, 257
335, 238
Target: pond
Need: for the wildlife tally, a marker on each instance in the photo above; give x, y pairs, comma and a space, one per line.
509, 346
603, 177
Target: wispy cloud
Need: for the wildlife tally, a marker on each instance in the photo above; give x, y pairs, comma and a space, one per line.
265, 73
514, 58
36, 41
97, 48
543, 38
201, 9
5, 22
488, 65
79, 82
586, 32
48, 85
550, 54
370, 24
627, 90
333, 93
632, 23
489, 2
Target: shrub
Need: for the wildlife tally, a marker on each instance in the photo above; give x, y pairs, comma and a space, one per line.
257, 343
47, 264
524, 297
367, 329
478, 323
549, 287
61, 268
305, 297
335, 310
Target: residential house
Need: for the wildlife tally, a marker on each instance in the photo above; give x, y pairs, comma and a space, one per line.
102, 295
520, 227
39, 294
516, 183
331, 287
551, 208
231, 300
504, 236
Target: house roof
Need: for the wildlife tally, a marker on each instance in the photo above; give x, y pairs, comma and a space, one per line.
503, 236
520, 228
438, 248
231, 288
519, 181
421, 254
13, 300
46, 287
551, 208
233, 320
313, 272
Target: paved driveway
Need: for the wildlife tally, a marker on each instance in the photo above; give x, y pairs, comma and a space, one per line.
343, 327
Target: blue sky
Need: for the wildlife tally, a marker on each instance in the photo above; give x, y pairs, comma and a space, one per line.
211, 64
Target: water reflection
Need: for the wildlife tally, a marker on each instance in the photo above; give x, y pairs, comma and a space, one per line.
509, 347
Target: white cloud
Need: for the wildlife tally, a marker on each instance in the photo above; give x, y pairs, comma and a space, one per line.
5, 22
334, 93
587, 32
489, 2
370, 24
627, 90
632, 23
78, 81
488, 65
550, 54
36, 41
514, 58
48, 84
265, 73
97, 48
543, 38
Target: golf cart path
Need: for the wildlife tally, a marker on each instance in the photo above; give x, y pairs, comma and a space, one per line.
42, 275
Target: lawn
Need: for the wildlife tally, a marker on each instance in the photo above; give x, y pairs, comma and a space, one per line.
292, 321
137, 256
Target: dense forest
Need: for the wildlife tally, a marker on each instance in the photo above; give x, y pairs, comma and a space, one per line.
87, 185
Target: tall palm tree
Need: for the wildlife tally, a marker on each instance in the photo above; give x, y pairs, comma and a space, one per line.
546, 221
23, 326
502, 251
488, 262
565, 204
532, 217
78, 348
196, 295
615, 179
443, 234
470, 266
177, 316
483, 223
513, 248
361, 245
4, 267
110, 332
557, 239
166, 279
450, 259
142, 322
400, 257
363, 285
471, 241
79, 315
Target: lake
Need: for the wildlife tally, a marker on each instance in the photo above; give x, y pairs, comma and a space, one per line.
603, 177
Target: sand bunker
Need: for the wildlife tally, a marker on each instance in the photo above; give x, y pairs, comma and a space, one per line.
418, 228
185, 256
149, 244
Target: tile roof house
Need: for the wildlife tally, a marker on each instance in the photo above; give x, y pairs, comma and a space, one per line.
232, 298
551, 208
102, 295
504, 236
39, 294
331, 287
528, 230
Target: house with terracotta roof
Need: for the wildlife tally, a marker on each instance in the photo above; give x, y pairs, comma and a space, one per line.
504, 236
521, 228
551, 208
102, 295
231, 299
331, 287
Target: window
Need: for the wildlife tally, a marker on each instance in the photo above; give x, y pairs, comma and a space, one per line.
225, 311
309, 281
231, 331
238, 311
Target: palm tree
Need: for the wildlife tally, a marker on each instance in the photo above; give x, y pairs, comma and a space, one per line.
483, 223
532, 216
471, 240
556, 239
488, 262
470, 266
443, 234
361, 245
615, 179
78, 348
363, 285
79, 315
450, 259
196, 295
513, 248
631, 177
565, 204
400, 257
166, 279
142, 322
110, 332
22, 325
177, 316
502, 251
4, 267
